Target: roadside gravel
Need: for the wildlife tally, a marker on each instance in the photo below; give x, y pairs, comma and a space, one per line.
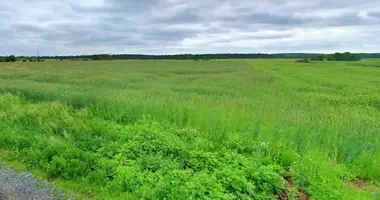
25, 186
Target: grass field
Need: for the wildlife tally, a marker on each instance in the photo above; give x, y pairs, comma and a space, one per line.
232, 129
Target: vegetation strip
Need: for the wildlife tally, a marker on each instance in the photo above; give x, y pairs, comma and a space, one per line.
185, 129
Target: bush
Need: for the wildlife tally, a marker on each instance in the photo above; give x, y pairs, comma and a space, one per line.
102, 57
206, 58
318, 58
11, 58
145, 159
330, 58
346, 56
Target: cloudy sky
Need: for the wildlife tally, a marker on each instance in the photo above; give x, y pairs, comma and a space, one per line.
69, 27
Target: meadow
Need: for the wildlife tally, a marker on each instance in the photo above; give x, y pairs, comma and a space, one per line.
220, 129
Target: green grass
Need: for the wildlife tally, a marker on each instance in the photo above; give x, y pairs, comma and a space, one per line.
235, 129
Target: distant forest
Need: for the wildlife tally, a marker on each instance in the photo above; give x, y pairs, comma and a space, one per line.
312, 56
208, 56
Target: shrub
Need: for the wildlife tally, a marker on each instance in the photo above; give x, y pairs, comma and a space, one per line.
206, 58
330, 58
318, 58
11, 58
305, 60
346, 56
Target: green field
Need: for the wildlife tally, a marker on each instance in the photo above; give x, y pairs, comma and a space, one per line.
231, 129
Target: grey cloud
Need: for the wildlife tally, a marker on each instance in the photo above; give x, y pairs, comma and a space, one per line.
166, 36
101, 40
123, 25
375, 14
88, 35
350, 4
115, 6
6, 34
181, 17
263, 37
132, 4
92, 9
4, 15
276, 19
253, 37
346, 20
31, 28
282, 20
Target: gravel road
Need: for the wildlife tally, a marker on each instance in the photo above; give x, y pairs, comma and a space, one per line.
25, 186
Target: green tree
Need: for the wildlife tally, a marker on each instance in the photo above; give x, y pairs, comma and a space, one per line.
338, 56
331, 58
10, 58
346, 56
318, 58
313, 59
321, 57
351, 56
32, 59
206, 58
357, 57
96, 57
106, 57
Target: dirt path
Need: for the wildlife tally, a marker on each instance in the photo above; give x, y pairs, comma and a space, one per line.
2, 196
24, 186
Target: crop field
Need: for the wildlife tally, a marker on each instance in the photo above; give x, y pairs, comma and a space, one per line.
220, 129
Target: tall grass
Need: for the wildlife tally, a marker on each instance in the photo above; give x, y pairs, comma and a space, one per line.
294, 115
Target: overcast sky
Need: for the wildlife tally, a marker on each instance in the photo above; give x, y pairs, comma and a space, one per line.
69, 27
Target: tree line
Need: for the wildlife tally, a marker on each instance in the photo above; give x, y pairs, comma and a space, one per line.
10, 58
166, 57
347, 56
102, 57
13, 58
